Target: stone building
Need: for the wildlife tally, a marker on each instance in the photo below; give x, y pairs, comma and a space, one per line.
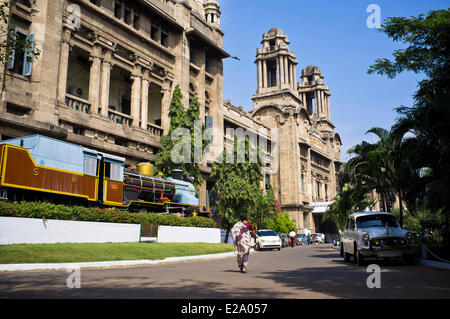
304, 159
107, 70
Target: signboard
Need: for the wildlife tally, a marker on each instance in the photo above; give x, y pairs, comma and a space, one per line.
317, 144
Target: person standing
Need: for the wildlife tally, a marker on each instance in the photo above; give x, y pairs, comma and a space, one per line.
292, 234
241, 233
308, 238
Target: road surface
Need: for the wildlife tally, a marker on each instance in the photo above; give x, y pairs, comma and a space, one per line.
302, 272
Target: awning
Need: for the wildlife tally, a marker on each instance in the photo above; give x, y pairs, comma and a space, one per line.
320, 207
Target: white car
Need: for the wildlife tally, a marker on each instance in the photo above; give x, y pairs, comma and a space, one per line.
267, 239
376, 235
319, 238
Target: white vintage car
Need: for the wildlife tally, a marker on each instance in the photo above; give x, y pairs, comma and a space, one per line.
375, 234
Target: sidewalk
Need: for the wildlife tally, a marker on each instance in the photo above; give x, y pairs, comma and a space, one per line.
107, 264
421, 261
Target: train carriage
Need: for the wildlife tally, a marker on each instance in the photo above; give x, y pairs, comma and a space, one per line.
37, 166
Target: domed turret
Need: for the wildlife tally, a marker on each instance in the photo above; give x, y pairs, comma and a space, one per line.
212, 12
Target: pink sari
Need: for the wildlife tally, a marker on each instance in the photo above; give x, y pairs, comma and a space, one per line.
242, 241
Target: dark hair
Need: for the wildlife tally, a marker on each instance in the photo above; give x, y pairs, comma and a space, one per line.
243, 217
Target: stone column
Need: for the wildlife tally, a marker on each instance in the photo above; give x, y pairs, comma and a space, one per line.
264, 75
291, 75
136, 95
286, 70
63, 65
278, 77
105, 82
316, 100
322, 101
259, 71
165, 104
328, 106
144, 98
281, 68
294, 76
94, 78
319, 103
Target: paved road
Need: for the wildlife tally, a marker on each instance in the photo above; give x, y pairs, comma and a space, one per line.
300, 272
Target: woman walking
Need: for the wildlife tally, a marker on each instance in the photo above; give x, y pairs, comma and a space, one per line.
243, 241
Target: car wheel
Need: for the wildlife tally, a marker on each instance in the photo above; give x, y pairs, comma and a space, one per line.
279, 249
359, 258
346, 254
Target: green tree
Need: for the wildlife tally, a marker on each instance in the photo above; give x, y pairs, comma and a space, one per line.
186, 121
265, 209
237, 184
282, 223
350, 200
427, 40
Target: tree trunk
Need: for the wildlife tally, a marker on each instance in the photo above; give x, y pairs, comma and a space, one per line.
401, 208
226, 235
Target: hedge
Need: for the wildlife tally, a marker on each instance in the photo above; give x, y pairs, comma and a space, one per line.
46, 210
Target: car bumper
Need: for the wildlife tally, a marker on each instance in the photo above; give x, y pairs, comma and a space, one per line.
386, 253
269, 245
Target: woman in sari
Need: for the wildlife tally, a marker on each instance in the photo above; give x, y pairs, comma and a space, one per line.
243, 241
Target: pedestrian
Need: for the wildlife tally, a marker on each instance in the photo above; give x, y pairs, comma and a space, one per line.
308, 238
241, 233
292, 234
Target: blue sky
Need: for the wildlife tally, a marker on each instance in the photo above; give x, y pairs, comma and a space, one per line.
334, 36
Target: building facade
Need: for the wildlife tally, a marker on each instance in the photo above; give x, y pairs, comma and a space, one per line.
107, 70
305, 157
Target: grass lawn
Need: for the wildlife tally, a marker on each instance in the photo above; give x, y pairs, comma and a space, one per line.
87, 252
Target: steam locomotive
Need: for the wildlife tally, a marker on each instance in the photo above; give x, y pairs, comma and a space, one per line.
37, 167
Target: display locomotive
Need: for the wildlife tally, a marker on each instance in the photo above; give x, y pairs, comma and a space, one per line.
37, 167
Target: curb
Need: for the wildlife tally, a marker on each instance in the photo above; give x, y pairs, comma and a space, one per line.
432, 263
107, 264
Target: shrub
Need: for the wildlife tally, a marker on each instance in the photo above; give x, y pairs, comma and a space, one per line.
46, 210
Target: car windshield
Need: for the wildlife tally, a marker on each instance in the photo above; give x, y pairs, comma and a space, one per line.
266, 233
376, 221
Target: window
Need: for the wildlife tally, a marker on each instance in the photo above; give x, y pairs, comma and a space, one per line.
121, 142
21, 60
118, 7
304, 151
16, 110
318, 189
209, 125
155, 31
272, 73
326, 192
137, 20
352, 224
272, 45
303, 183
376, 221
24, 2
114, 171
267, 181
90, 165
128, 13
164, 35
78, 130
192, 56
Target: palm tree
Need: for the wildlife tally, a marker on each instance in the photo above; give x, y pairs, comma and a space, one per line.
385, 166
